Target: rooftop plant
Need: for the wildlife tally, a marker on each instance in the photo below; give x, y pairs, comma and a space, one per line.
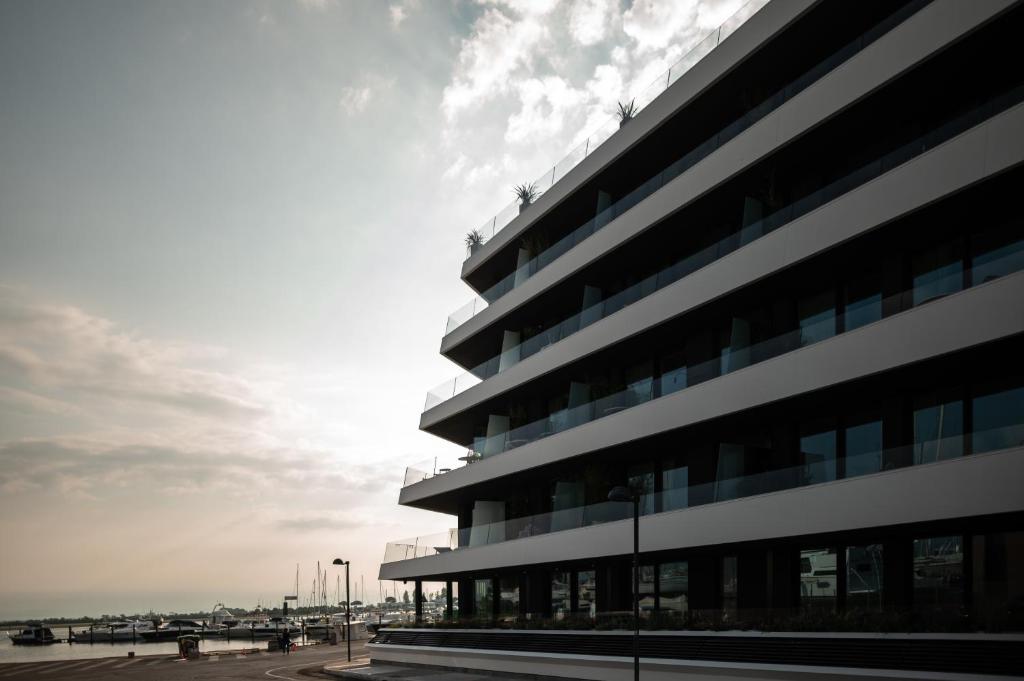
474, 239
526, 193
626, 112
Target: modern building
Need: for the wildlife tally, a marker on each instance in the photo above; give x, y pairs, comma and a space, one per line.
784, 304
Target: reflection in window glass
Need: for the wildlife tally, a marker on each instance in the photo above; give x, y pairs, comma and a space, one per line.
818, 457
862, 302
561, 603
642, 478
730, 587
674, 588
998, 420
938, 432
729, 470
864, 577
937, 273
939, 574
998, 590
586, 592
817, 317
673, 373
509, 605
996, 253
483, 599
646, 590
863, 449
818, 579
675, 481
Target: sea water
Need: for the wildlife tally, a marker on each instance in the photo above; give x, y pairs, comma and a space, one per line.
81, 651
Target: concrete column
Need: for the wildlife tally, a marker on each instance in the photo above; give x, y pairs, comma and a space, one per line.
418, 598
449, 608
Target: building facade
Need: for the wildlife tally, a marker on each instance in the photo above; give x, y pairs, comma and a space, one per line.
785, 305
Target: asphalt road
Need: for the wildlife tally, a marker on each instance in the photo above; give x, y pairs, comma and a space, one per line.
302, 664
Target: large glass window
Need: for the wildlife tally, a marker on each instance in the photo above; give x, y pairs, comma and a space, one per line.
729, 469
818, 579
863, 448
937, 272
996, 253
862, 302
586, 593
673, 373
509, 605
938, 431
864, 577
641, 477
675, 481
561, 597
998, 590
674, 588
939, 574
817, 317
730, 587
646, 590
483, 599
818, 455
998, 420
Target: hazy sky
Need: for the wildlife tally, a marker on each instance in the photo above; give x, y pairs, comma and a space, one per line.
230, 235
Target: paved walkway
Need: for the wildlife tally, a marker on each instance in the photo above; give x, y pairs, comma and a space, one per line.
388, 672
303, 664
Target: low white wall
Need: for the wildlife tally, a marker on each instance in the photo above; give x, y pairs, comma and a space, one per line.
601, 668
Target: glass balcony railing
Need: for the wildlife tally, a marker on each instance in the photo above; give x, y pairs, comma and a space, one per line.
732, 359
820, 469
566, 243
695, 261
1000, 262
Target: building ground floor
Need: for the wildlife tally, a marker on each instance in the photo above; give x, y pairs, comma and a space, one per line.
960, 575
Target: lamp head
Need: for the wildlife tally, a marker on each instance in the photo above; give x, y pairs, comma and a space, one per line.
620, 493
339, 561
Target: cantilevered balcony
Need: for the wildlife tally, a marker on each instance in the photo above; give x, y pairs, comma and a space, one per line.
898, 164
928, 330
786, 502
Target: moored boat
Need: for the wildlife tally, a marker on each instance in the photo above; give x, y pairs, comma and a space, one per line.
33, 635
170, 631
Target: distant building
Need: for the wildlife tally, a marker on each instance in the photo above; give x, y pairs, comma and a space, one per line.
785, 304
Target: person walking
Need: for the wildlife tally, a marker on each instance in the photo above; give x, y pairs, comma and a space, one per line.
286, 643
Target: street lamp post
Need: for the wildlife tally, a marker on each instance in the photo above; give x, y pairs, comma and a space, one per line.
348, 612
625, 494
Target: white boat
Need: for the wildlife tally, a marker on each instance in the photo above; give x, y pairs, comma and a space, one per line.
170, 631
114, 631
320, 629
275, 626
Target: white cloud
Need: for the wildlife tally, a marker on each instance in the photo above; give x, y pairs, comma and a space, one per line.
545, 104
398, 15
588, 20
354, 100
498, 47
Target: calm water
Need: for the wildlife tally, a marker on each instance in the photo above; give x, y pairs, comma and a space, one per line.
80, 651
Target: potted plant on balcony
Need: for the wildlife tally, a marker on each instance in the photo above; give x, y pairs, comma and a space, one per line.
474, 240
526, 193
626, 112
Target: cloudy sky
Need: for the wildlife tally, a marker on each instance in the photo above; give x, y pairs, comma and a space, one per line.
230, 234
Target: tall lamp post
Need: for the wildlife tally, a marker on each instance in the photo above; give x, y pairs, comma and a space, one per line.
348, 613
625, 494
